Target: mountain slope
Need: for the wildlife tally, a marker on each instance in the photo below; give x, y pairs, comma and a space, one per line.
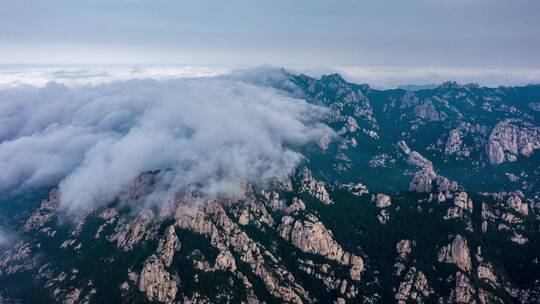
427, 196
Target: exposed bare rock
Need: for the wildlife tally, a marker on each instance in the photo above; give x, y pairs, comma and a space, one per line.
463, 292
339, 301
485, 297
167, 246
156, 282
16, 259
413, 288
382, 201
461, 203
72, 297
357, 266
321, 272
404, 147
44, 213
311, 236
445, 185
314, 188
383, 217
358, 189
456, 253
428, 111
511, 138
417, 159
225, 260
519, 238
251, 211
128, 234
485, 273
515, 202
274, 202
350, 126
441, 197
409, 99
296, 206
453, 143
403, 248
225, 234
423, 181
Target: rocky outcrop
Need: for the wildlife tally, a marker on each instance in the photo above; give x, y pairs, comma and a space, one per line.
16, 259
383, 201
311, 236
511, 138
314, 188
44, 213
357, 189
403, 248
296, 206
128, 233
456, 253
462, 204
167, 246
212, 221
155, 282
463, 291
422, 181
413, 288
428, 112
453, 143
516, 203
350, 126
485, 273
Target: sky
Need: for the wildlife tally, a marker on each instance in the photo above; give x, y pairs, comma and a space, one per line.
496, 35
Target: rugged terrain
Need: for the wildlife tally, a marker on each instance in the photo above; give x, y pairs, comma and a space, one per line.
427, 196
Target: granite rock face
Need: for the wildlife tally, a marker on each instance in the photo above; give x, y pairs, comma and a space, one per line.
414, 288
457, 253
311, 236
383, 201
168, 245
156, 282
453, 144
463, 291
315, 188
511, 138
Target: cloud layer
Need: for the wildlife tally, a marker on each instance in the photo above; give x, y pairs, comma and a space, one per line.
84, 75
218, 132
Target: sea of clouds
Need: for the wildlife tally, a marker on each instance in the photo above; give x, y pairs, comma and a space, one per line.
92, 139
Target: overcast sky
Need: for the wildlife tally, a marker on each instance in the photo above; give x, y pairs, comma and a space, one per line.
434, 33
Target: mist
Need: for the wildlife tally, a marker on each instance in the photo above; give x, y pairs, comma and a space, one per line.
93, 140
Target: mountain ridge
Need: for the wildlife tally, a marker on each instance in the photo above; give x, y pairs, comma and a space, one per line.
412, 200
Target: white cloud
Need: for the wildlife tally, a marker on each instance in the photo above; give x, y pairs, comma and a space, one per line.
85, 75
219, 132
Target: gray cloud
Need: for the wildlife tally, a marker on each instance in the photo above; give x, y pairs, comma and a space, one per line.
218, 132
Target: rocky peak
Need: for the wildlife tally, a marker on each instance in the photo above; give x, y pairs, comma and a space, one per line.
457, 253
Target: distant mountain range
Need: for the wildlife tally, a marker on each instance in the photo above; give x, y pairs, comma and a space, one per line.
425, 194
